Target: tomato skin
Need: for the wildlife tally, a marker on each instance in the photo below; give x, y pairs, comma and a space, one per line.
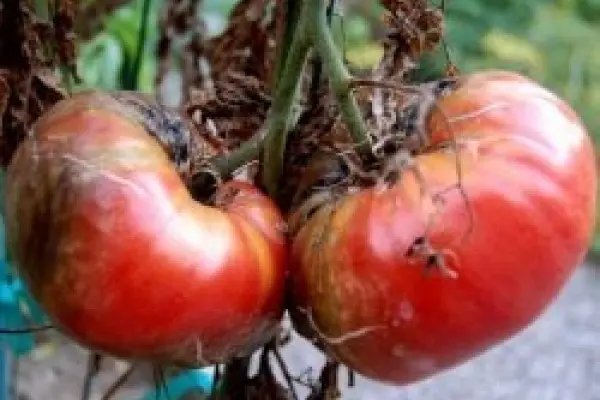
507, 242
122, 258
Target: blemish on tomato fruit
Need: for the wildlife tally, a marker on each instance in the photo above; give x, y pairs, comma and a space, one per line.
424, 364
421, 251
282, 227
416, 247
399, 351
406, 311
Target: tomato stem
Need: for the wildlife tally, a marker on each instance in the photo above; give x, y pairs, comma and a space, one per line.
309, 28
280, 116
339, 76
226, 165
291, 9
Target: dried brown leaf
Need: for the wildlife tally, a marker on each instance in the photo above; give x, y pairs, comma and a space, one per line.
28, 84
180, 23
231, 112
414, 28
91, 16
248, 44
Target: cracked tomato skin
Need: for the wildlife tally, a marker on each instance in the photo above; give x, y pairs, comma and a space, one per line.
121, 257
402, 282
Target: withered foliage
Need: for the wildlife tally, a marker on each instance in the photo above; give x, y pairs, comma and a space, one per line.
30, 51
180, 23
321, 154
248, 44
231, 104
63, 26
414, 28
231, 112
91, 16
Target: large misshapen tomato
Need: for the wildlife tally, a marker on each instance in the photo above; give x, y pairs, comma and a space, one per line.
122, 258
402, 282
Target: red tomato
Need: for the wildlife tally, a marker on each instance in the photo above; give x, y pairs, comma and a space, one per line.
402, 282
123, 259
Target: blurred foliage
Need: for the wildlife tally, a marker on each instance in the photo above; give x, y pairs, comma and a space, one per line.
553, 41
106, 58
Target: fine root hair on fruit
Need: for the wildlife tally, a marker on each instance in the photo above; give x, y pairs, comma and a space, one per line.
477, 113
355, 170
395, 166
454, 146
409, 122
337, 340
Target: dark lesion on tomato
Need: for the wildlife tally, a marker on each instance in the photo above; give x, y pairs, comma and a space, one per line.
432, 260
44, 201
168, 127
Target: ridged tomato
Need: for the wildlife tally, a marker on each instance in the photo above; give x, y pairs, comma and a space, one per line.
122, 258
469, 246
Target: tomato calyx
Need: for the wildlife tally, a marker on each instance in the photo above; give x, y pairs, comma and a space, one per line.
397, 116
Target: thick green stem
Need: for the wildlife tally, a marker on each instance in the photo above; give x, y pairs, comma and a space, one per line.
226, 165
292, 10
311, 29
339, 76
278, 121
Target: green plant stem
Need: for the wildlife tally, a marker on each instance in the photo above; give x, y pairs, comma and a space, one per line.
286, 93
339, 76
41, 9
292, 12
226, 165
311, 29
132, 81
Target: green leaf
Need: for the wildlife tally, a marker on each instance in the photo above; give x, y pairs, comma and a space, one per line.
100, 62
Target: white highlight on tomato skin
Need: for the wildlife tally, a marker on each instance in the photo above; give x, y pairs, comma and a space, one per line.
477, 113
173, 225
209, 245
568, 137
341, 339
96, 171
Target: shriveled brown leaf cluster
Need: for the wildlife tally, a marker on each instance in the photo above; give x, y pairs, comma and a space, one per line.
414, 28
230, 105
321, 153
231, 112
91, 16
180, 23
248, 44
30, 50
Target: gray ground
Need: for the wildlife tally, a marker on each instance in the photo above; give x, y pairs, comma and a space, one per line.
557, 358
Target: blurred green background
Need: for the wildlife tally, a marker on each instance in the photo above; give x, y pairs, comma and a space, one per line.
555, 42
